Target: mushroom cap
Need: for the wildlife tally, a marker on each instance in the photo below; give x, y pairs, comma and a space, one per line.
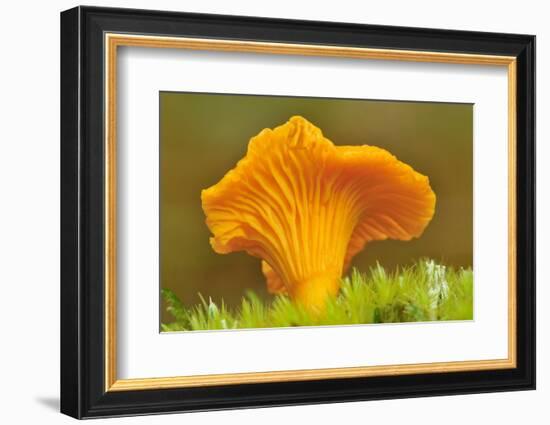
306, 207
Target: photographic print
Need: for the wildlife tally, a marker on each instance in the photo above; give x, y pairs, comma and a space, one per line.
255, 183
299, 211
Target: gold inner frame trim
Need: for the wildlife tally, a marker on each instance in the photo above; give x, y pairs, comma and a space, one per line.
113, 41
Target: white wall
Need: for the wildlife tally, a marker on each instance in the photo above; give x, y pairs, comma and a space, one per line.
29, 208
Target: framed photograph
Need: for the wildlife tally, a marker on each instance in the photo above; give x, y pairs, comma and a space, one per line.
261, 212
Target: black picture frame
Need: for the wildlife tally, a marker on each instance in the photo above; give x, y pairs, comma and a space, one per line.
83, 392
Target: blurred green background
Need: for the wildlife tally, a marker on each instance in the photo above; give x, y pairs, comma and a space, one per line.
202, 136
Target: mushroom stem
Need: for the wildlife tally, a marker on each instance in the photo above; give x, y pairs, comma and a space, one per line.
314, 292
314, 247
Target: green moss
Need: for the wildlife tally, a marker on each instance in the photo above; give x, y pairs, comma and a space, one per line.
426, 291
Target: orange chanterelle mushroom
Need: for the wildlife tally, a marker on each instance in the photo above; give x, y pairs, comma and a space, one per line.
306, 207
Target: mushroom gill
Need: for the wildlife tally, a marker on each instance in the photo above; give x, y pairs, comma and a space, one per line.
306, 207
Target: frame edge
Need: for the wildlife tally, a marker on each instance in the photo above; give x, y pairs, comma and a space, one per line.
526, 217
70, 348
